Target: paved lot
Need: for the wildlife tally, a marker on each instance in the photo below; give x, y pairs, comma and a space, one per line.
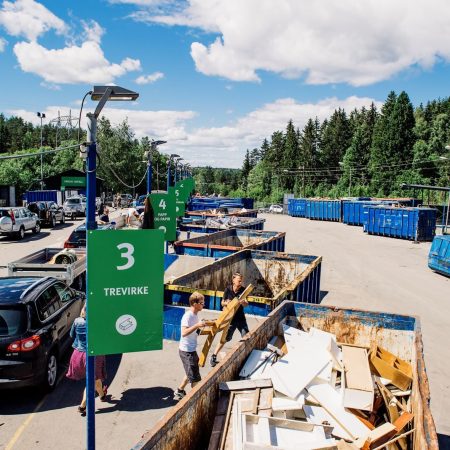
361, 271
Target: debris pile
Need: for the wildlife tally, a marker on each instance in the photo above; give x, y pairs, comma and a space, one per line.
307, 391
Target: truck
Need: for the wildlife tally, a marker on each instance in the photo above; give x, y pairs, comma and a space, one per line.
62, 264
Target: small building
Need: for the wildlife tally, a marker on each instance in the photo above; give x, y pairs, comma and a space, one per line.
7, 195
71, 182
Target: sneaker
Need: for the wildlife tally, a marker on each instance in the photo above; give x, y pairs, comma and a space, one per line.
82, 410
179, 394
213, 361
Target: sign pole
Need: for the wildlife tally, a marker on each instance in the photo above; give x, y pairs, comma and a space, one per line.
91, 224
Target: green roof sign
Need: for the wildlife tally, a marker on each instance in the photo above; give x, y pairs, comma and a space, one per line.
73, 181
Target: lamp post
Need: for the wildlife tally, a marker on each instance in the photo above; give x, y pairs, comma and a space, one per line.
41, 116
177, 160
148, 154
169, 162
102, 94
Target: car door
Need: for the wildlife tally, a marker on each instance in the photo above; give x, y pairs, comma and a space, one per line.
52, 314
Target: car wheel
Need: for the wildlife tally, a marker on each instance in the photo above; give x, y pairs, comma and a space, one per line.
63, 220
51, 372
72, 216
37, 228
21, 233
53, 222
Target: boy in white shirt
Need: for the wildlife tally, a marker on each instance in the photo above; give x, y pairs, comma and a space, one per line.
190, 323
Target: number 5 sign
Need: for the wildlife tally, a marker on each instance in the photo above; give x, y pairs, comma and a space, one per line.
126, 291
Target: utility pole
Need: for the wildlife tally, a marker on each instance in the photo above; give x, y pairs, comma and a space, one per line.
303, 181
41, 116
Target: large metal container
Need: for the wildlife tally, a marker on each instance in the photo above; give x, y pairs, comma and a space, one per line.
324, 210
276, 277
43, 196
353, 212
211, 225
439, 256
237, 212
418, 224
189, 424
297, 207
201, 203
224, 243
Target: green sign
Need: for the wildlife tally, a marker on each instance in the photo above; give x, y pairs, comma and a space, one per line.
165, 216
180, 205
191, 184
126, 291
182, 190
73, 181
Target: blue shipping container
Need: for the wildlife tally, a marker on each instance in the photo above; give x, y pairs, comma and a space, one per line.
439, 256
297, 207
324, 210
41, 196
224, 243
211, 226
353, 212
418, 224
276, 277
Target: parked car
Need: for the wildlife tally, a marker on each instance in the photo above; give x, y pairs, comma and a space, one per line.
49, 213
78, 236
276, 209
16, 221
36, 315
75, 206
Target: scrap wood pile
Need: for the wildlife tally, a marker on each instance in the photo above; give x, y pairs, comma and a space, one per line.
306, 391
224, 222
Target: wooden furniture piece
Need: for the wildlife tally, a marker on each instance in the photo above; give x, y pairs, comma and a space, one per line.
221, 324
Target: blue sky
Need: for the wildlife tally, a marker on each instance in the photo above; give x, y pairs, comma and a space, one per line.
216, 77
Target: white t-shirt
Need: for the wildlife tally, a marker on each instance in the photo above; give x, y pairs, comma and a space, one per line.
131, 212
189, 342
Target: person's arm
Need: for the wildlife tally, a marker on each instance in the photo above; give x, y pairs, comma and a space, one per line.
186, 331
72, 330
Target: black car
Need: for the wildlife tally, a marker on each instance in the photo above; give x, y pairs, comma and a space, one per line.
77, 238
36, 315
48, 212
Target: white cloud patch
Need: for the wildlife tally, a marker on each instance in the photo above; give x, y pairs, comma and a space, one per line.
93, 31
74, 64
146, 79
326, 42
29, 19
217, 146
3, 44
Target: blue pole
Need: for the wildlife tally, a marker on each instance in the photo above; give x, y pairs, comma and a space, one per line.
149, 174
91, 224
175, 175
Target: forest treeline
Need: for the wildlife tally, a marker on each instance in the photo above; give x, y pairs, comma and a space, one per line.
365, 152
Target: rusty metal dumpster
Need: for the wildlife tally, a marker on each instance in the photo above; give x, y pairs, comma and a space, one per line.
211, 225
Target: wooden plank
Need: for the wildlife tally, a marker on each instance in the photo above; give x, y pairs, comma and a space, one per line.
245, 385
403, 420
389, 366
380, 436
219, 421
226, 424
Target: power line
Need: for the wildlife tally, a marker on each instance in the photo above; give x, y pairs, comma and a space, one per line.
28, 155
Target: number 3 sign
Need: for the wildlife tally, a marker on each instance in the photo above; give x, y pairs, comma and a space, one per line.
125, 290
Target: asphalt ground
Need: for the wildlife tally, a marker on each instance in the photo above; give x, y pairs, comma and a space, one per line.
367, 272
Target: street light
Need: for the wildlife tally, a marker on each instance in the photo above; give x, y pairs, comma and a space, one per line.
177, 160
102, 94
171, 157
350, 177
148, 154
42, 116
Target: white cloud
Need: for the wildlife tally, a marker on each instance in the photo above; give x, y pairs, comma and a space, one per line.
73, 64
217, 146
50, 86
145, 79
327, 42
93, 31
29, 19
3, 44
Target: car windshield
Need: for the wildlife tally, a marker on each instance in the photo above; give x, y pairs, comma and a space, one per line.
13, 320
78, 237
73, 201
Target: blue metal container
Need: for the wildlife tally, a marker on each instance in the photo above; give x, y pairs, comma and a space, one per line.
276, 277
353, 211
418, 224
224, 243
201, 203
297, 207
227, 223
41, 196
231, 211
439, 256
324, 210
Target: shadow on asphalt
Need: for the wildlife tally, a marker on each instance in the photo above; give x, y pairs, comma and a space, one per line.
141, 399
67, 392
28, 238
322, 295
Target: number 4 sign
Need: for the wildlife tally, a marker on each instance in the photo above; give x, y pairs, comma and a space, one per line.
165, 216
126, 290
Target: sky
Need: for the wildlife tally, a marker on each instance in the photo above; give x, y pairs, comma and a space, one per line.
216, 77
